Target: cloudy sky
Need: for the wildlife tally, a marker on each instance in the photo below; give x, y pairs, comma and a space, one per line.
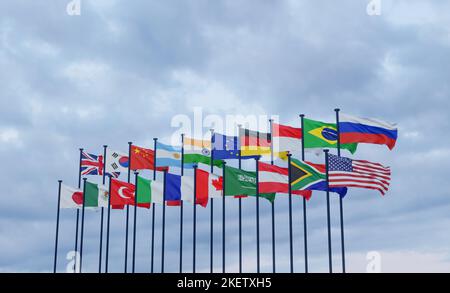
122, 70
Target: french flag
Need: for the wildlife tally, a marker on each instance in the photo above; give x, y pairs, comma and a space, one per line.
366, 130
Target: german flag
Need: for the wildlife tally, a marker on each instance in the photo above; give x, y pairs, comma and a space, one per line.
254, 143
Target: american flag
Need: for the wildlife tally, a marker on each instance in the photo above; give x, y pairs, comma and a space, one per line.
345, 172
93, 165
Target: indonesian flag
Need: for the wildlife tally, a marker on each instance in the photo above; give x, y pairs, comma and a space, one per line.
286, 139
274, 179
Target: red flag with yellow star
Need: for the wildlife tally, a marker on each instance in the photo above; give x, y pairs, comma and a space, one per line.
142, 158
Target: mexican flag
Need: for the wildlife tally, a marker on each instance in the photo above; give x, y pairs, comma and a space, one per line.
72, 198
240, 182
318, 134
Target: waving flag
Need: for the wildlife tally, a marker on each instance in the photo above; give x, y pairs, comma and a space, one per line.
286, 139
225, 147
367, 130
71, 198
116, 161
122, 193
323, 135
345, 172
91, 164
197, 151
143, 159
254, 143
167, 155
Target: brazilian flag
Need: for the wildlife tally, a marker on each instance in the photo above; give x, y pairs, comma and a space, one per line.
319, 134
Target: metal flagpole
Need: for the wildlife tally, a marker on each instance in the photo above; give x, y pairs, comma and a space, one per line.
341, 208
240, 209
153, 209
102, 214
257, 216
107, 225
82, 224
194, 232
57, 226
223, 218
128, 209
291, 247
163, 223
134, 224
273, 202
211, 241
181, 207
78, 210
305, 227
330, 264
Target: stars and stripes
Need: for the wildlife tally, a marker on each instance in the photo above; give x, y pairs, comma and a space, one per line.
345, 172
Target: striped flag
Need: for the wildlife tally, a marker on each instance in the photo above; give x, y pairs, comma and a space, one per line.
286, 139
345, 172
254, 143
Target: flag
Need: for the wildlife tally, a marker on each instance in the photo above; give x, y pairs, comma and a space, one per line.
149, 192
143, 159
309, 176
167, 155
358, 173
197, 151
225, 147
322, 135
240, 182
367, 130
71, 198
122, 193
254, 143
276, 179
93, 165
116, 161
285, 139
96, 196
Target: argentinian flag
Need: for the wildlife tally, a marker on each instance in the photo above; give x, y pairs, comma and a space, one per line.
167, 155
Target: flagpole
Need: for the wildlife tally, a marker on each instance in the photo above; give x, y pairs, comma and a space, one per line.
57, 227
240, 211
305, 226
223, 218
163, 223
107, 225
341, 204
257, 216
102, 214
153, 207
181, 206
128, 210
211, 241
82, 223
330, 264
273, 202
134, 224
194, 232
78, 210
291, 247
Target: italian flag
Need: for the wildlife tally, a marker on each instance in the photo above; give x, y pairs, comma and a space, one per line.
149, 191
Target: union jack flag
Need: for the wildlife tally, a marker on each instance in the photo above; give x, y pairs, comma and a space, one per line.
93, 165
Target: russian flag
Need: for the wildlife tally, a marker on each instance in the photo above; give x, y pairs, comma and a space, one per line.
366, 130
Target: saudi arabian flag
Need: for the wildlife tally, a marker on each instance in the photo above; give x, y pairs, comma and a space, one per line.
322, 135
95, 195
240, 182
149, 191
197, 151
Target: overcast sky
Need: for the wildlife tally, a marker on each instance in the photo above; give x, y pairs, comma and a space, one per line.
122, 70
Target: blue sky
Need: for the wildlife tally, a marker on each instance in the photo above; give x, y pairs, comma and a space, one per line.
121, 70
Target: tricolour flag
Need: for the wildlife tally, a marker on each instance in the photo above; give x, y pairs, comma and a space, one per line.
254, 143
149, 191
285, 139
367, 130
167, 155
345, 172
197, 151
93, 165
276, 179
96, 196
322, 135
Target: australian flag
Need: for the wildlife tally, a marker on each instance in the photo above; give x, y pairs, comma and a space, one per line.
93, 165
226, 147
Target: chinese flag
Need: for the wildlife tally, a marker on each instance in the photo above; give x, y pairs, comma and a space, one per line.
142, 159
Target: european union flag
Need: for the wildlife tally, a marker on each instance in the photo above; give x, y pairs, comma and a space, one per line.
226, 147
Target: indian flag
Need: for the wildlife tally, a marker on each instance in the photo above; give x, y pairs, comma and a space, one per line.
197, 151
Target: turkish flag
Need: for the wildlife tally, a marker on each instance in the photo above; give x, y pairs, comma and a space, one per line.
143, 159
122, 193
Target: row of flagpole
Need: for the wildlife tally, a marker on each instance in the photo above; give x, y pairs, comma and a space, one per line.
211, 217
